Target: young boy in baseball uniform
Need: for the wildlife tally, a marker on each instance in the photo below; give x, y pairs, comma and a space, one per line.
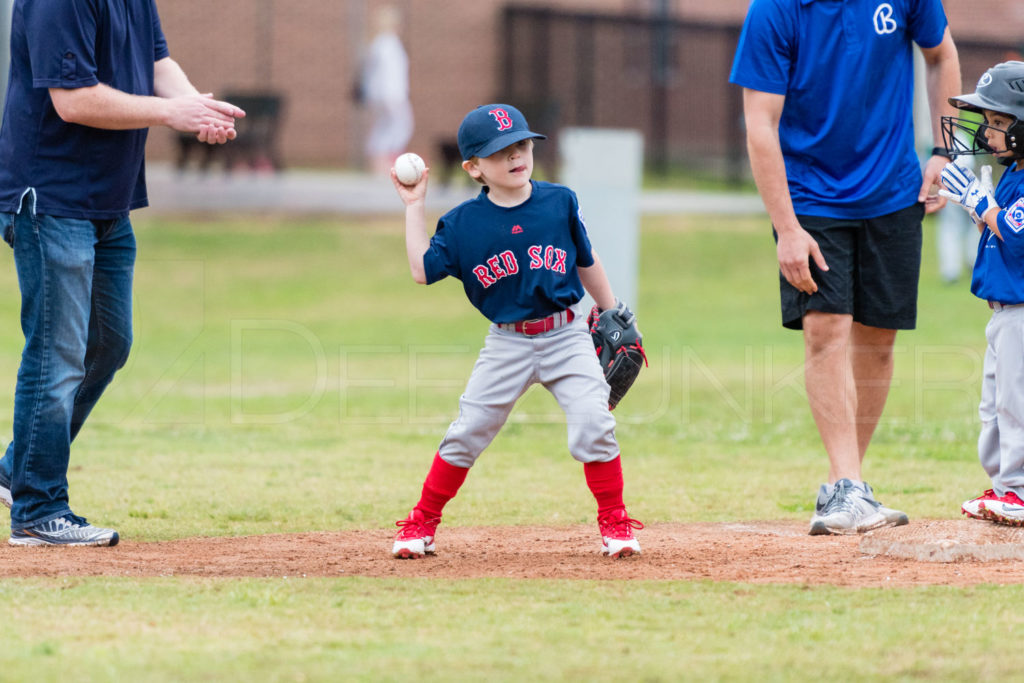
522, 253
998, 278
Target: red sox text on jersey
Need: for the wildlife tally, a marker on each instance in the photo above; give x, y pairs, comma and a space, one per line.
505, 264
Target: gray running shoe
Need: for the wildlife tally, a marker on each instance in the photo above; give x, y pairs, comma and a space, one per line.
818, 521
848, 511
68, 530
892, 517
5, 493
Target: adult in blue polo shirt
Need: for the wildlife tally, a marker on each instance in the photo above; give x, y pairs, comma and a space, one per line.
828, 88
87, 78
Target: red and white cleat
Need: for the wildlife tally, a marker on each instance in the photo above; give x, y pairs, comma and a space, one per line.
617, 539
415, 537
973, 509
1008, 509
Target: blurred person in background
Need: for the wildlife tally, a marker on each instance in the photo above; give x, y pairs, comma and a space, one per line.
828, 100
957, 239
384, 88
87, 79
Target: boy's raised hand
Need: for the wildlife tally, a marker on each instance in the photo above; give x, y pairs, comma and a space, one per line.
410, 194
973, 194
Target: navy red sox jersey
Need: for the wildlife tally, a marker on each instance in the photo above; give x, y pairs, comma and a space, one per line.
999, 267
515, 263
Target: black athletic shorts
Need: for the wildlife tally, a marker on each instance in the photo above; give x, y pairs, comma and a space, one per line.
874, 265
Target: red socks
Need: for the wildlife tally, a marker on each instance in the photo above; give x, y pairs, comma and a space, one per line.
605, 482
443, 482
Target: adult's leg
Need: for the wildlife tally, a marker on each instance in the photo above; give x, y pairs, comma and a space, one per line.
831, 390
888, 270
110, 325
848, 368
872, 362
54, 259
110, 320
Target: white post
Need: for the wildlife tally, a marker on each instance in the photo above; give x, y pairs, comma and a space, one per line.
604, 167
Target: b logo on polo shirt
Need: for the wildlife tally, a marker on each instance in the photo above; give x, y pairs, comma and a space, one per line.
1015, 215
884, 22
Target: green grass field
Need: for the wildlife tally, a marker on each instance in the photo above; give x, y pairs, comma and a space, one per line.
288, 375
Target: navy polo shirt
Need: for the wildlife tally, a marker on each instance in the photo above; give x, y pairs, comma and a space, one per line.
77, 171
515, 263
846, 69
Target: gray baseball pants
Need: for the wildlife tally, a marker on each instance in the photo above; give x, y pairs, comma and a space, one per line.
564, 362
1001, 442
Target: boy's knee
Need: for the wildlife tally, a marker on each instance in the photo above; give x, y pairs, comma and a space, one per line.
594, 442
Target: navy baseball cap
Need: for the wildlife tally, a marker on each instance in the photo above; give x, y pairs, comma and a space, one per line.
490, 128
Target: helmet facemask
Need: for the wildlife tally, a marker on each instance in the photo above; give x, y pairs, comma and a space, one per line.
966, 137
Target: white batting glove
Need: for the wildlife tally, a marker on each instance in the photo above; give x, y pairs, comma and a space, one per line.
972, 193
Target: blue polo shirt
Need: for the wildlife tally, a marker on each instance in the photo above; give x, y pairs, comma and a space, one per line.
999, 267
515, 263
77, 171
846, 69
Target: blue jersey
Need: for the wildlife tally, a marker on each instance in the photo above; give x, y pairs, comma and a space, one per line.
999, 266
846, 70
77, 171
515, 263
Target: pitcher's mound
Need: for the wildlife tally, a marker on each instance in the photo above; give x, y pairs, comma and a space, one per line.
947, 540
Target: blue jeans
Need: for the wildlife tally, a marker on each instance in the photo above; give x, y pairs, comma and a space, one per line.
75, 278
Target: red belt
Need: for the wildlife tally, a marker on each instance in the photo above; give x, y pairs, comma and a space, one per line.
539, 325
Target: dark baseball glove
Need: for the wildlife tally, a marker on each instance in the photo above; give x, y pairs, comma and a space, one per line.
619, 348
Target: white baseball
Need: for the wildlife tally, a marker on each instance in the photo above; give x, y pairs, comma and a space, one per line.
409, 168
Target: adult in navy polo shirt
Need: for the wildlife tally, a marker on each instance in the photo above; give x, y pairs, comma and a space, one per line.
87, 78
827, 95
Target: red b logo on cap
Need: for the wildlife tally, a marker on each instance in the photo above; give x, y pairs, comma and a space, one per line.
501, 116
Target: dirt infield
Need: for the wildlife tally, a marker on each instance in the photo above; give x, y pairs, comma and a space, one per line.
756, 552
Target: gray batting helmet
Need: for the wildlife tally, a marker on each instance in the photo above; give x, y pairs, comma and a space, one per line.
1000, 89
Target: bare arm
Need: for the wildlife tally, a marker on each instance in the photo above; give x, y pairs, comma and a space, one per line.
177, 105
762, 112
942, 65
595, 281
416, 239
169, 80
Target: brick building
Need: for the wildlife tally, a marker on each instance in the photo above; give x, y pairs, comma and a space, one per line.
467, 52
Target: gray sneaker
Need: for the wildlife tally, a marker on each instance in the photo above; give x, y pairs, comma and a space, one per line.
5, 493
892, 517
850, 510
67, 530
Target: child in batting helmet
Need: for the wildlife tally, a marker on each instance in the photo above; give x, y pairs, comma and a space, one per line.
998, 279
